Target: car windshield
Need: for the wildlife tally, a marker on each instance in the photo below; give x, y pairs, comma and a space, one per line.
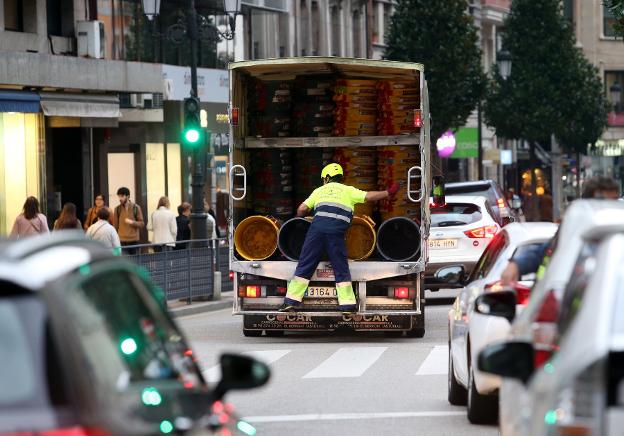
125, 334
455, 214
30, 373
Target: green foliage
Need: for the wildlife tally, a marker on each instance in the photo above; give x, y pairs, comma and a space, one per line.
445, 40
552, 88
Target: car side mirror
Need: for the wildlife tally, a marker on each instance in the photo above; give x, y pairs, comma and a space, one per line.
241, 372
508, 359
452, 275
501, 303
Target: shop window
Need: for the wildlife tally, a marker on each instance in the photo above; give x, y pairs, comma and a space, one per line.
608, 22
20, 135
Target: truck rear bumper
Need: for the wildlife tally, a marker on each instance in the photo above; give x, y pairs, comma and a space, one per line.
329, 321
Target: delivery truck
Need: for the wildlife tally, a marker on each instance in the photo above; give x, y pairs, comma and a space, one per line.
288, 118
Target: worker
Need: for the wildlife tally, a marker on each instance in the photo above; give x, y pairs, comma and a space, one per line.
332, 205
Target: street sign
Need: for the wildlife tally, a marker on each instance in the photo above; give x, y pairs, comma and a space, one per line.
467, 143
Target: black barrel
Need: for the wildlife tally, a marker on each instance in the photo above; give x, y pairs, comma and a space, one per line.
292, 236
398, 239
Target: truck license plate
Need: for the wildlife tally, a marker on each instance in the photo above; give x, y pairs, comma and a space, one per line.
321, 292
440, 244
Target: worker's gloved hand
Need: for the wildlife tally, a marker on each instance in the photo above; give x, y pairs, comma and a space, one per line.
392, 190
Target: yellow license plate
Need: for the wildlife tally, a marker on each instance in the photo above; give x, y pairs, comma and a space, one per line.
321, 292
441, 244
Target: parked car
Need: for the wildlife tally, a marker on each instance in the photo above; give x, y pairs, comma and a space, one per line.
489, 189
470, 331
537, 322
460, 230
88, 348
579, 390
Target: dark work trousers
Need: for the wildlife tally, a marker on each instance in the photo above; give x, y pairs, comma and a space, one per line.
316, 243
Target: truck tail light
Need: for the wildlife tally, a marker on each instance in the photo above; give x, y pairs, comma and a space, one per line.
482, 232
231, 275
234, 116
281, 290
417, 118
250, 291
401, 293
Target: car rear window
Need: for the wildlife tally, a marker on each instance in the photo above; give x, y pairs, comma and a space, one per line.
477, 190
30, 375
455, 214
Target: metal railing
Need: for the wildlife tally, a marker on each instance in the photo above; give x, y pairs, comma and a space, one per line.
194, 269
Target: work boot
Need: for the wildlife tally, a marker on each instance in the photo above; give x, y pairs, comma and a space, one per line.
289, 305
347, 308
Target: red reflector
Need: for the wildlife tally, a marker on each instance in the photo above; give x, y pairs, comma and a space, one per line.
417, 118
401, 293
482, 232
234, 116
188, 353
281, 290
231, 275
242, 291
252, 291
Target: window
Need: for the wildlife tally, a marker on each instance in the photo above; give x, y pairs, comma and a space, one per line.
125, 334
455, 214
14, 15
60, 15
357, 43
335, 30
489, 256
611, 78
608, 22
568, 10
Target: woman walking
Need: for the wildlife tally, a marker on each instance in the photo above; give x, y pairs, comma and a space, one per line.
68, 219
92, 215
164, 225
30, 221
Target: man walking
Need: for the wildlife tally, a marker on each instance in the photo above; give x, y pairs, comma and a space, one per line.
333, 205
128, 220
184, 225
102, 231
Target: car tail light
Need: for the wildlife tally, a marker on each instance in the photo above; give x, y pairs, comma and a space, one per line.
68, 431
281, 290
544, 330
401, 293
501, 203
231, 275
482, 232
234, 116
522, 292
417, 118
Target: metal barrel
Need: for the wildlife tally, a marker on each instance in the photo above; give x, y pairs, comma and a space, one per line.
398, 239
361, 238
291, 237
255, 238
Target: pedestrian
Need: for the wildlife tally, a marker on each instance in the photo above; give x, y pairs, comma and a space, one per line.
102, 230
212, 229
536, 258
93, 210
68, 220
332, 205
184, 225
128, 220
30, 221
164, 226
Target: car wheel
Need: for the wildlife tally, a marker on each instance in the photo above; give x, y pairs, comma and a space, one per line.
251, 333
457, 394
482, 409
274, 333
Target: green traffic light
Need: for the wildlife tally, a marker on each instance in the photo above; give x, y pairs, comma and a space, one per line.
191, 136
128, 346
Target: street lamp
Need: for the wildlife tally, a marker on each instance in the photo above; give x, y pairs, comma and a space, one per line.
151, 8
616, 95
503, 59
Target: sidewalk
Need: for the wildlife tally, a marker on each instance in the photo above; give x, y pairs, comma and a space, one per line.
180, 308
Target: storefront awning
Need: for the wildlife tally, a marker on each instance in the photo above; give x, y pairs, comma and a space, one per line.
80, 105
19, 101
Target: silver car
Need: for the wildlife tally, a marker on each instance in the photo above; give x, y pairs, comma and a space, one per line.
537, 324
469, 332
580, 389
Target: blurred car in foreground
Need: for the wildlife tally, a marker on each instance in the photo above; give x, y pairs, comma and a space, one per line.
503, 212
460, 230
470, 331
579, 390
88, 348
537, 323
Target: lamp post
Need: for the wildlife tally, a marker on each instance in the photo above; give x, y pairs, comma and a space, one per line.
616, 95
193, 30
503, 61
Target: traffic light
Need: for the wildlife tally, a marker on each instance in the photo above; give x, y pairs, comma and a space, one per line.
192, 133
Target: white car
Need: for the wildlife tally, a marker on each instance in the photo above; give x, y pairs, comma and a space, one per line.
460, 230
537, 323
469, 331
580, 389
